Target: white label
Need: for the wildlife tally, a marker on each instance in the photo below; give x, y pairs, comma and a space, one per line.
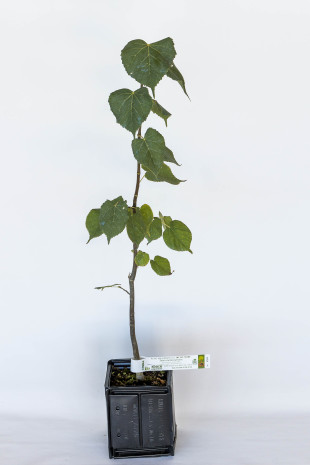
172, 362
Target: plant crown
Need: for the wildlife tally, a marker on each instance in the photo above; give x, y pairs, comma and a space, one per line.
147, 64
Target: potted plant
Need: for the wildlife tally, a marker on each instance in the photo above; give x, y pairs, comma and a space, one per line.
140, 405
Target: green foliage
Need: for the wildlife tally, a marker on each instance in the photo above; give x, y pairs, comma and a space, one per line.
92, 224
165, 220
113, 217
161, 266
130, 108
164, 175
175, 74
136, 227
142, 258
148, 63
160, 111
149, 150
155, 230
178, 236
147, 215
169, 157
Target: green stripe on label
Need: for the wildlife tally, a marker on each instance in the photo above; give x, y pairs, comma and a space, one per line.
201, 361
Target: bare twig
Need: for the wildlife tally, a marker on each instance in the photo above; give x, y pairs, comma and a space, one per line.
125, 290
100, 288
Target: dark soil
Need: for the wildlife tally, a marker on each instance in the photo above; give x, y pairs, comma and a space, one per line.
124, 377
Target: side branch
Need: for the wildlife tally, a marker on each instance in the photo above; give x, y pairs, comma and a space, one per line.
100, 288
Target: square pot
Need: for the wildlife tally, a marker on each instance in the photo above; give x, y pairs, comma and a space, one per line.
141, 420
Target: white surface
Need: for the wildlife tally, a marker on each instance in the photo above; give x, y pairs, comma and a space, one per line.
213, 441
243, 142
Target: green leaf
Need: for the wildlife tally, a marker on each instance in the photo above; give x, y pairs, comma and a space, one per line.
148, 63
178, 236
136, 227
147, 215
142, 258
161, 266
175, 74
130, 108
155, 230
113, 217
160, 111
149, 150
165, 220
93, 225
169, 157
164, 175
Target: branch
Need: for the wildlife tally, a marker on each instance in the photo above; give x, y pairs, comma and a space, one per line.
100, 288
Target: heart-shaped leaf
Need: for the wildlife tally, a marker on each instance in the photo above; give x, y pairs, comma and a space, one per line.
161, 266
148, 63
175, 74
155, 230
130, 108
147, 214
136, 227
164, 175
142, 258
160, 111
92, 224
169, 157
149, 150
178, 236
113, 217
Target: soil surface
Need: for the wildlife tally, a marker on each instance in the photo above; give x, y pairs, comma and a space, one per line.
124, 377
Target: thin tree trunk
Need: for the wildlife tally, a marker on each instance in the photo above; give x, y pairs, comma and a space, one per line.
132, 277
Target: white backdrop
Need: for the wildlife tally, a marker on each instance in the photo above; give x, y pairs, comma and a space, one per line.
243, 142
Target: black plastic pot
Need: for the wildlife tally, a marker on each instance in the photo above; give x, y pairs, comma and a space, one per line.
141, 420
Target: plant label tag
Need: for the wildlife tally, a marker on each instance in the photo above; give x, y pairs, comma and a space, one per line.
172, 362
